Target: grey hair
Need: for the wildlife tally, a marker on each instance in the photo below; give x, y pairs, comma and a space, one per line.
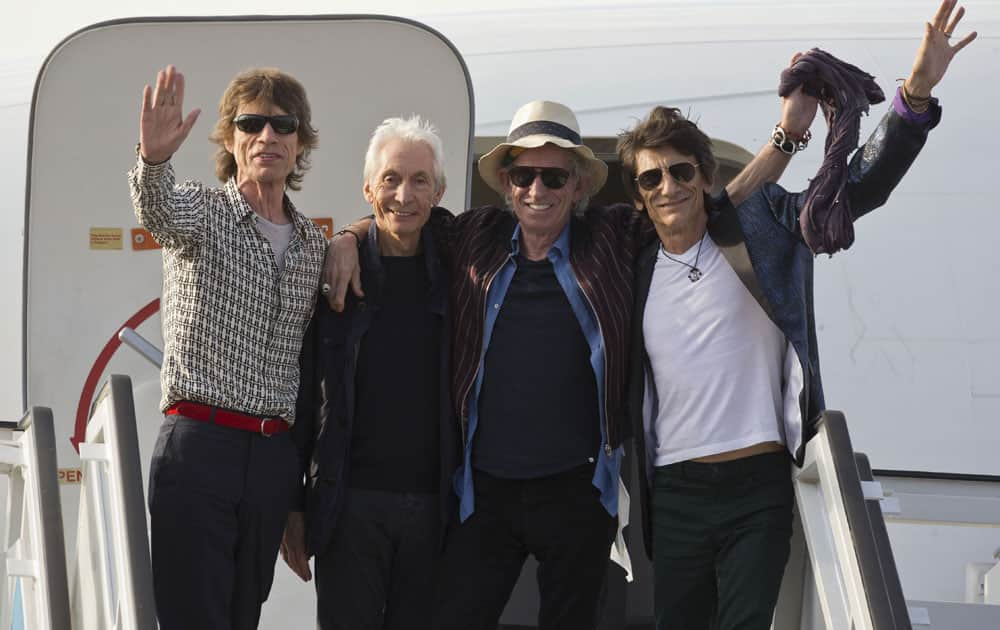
577, 165
580, 166
412, 129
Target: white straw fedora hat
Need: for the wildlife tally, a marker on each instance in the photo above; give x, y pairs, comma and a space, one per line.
535, 124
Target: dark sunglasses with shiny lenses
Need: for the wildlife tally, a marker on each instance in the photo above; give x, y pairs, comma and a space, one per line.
553, 178
254, 123
682, 172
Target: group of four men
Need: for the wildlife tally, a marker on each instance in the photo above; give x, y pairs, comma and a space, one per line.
467, 403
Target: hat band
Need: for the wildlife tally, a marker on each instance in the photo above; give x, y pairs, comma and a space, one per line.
545, 127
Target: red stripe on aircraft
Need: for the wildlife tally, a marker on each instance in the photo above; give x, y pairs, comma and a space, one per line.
90, 385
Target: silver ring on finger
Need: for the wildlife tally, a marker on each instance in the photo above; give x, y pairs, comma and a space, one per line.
325, 289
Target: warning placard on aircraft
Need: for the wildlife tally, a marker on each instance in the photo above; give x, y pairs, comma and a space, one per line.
143, 239
105, 238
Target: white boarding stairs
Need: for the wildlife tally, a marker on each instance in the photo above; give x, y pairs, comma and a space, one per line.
841, 575
32, 550
851, 572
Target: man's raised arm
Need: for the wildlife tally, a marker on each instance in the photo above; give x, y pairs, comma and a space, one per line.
876, 169
797, 113
162, 130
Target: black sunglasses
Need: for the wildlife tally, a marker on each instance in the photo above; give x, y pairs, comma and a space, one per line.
553, 178
682, 172
254, 123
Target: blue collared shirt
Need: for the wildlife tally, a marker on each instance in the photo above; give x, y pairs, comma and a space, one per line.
608, 464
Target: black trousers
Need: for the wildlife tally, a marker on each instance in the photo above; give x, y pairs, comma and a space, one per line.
720, 542
218, 500
378, 571
559, 520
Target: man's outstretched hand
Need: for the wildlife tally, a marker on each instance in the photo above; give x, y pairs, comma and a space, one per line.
342, 269
162, 129
936, 50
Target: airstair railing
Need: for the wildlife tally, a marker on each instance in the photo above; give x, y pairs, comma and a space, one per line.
854, 575
112, 587
881, 569
842, 572
33, 567
140, 344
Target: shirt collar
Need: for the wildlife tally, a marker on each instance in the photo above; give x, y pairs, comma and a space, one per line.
515, 240
559, 249
241, 208
237, 202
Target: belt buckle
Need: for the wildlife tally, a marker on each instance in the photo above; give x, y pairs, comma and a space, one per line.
262, 421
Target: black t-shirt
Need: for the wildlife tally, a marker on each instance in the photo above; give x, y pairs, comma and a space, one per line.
538, 409
395, 443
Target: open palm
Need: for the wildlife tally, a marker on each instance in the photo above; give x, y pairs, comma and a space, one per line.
936, 51
162, 129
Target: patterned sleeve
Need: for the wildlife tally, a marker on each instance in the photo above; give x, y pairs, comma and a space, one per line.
877, 167
174, 214
873, 172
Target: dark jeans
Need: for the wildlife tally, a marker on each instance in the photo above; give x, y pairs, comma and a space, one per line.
559, 520
720, 542
218, 500
378, 570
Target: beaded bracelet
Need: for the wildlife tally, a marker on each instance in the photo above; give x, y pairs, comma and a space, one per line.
917, 104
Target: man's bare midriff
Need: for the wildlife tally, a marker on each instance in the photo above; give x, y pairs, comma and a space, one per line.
740, 453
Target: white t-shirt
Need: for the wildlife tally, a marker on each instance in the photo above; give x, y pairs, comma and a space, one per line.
718, 362
279, 235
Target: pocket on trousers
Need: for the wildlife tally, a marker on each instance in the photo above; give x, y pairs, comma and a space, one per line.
161, 455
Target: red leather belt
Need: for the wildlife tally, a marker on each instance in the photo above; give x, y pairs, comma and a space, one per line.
227, 418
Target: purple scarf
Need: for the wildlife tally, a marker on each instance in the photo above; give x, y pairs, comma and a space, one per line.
844, 92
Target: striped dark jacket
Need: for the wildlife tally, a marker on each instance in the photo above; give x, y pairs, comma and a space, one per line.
604, 243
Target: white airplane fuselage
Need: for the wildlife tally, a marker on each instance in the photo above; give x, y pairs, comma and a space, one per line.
906, 318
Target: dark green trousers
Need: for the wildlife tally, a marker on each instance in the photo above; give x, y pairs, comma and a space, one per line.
720, 542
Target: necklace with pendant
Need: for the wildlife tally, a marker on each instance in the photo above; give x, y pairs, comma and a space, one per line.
695, 274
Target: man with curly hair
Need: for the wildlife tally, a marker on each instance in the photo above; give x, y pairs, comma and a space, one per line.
240, 274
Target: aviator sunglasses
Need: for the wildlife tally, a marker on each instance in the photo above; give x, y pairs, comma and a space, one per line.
254, 123
682, 172
553, 178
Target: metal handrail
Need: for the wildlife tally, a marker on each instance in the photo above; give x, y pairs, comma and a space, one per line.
140, 344
32, 544
113, 582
